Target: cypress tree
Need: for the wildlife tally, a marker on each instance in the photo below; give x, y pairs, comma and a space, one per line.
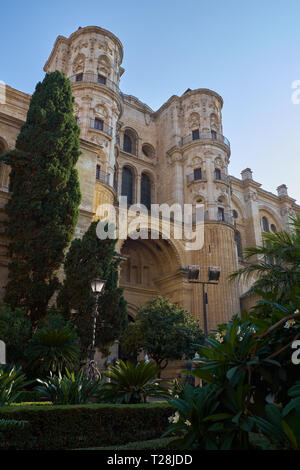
43, 210
89, 258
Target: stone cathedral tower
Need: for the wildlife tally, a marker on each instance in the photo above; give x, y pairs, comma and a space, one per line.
197, 157
91, 58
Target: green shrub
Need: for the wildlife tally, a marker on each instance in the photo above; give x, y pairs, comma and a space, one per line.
69, 389
281, 426
53, 348
12, 381
132, 383
15, 331
82, 426
153, 444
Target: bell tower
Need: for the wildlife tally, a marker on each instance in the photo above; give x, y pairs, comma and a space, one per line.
91, 58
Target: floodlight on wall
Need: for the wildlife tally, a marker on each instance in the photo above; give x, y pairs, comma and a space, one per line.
214, 273
193, 272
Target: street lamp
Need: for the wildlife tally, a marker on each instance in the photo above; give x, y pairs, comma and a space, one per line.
97, 287
213, 278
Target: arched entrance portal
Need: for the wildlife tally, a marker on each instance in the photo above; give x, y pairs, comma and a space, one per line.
150, 268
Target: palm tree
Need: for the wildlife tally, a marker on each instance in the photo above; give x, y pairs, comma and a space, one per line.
278, 262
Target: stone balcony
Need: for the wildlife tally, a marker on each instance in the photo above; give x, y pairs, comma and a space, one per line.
214, 136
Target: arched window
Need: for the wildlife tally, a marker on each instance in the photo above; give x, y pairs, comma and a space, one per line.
238, 242
235, 214
130, 141
265, 224
273, 228
127, 146
127, 184
146, 191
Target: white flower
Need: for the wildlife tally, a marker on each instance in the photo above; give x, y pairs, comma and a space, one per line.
187, 423
219, 337
289, 323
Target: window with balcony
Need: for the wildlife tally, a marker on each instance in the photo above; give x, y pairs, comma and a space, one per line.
217, 174
98, 124
98, 172
127, 184
101, 79
221, 214
79, 77
196, 134
197, 174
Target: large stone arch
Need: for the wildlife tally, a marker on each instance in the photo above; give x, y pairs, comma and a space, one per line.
147, 267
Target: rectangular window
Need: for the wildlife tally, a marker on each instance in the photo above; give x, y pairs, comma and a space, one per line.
101, 79
214, 135
217, 174
98, 170
98, 124
195, 134
79, 77
197, 174
221, 216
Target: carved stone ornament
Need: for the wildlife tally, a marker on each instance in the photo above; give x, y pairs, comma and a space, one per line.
147, 119
284, 211
251, 196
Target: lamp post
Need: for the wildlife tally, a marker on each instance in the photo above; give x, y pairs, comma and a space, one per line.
97, 287
213, 278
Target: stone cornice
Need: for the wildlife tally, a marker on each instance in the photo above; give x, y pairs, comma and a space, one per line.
135, 103
96, 87
11, 120
128, 157
88, 29
262, 193
175, 98
19, 95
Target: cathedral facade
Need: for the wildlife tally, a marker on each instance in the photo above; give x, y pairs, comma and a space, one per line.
176, 154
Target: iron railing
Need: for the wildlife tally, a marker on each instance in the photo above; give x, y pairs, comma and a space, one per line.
91, 77
204, 136
101, 126
102, 176
222, 177
191, 178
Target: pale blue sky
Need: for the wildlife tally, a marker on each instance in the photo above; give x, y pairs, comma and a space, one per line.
246, 51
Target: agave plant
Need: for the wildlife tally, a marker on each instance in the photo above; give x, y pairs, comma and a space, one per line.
12, 382
132, 383
69, 389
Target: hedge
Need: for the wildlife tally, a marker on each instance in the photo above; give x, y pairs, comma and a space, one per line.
154, 444
81, 426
